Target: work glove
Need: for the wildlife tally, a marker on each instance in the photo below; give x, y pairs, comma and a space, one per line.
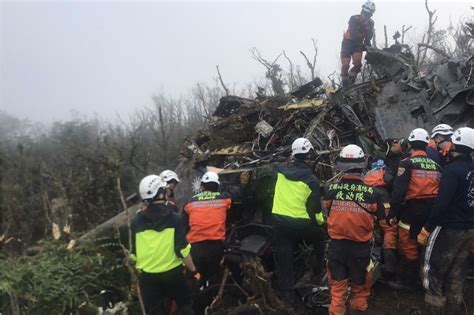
129, 260
422, 237
391, 219
192, 275
319, 218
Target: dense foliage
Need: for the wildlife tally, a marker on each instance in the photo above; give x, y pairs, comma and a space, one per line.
57, 280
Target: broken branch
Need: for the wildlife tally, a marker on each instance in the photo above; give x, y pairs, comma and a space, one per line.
436, 50
222, 81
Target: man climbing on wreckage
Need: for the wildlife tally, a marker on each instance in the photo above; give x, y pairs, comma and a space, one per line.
296, 215
356, 38
353, 207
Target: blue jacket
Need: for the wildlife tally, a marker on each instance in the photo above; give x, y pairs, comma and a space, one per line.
454, 205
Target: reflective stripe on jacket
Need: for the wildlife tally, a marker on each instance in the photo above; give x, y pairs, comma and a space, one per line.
454, 205
207, 213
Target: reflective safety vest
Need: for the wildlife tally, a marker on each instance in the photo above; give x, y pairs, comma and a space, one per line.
158, 239
290, 198
207, 212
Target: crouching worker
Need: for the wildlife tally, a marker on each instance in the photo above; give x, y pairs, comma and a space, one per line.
297, 215
353, 208
159, 248
449, 231
206, 215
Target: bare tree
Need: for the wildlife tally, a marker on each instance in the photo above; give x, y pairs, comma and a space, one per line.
312, 64
222, 81
404, 31
273, 71
291, 82
427, 38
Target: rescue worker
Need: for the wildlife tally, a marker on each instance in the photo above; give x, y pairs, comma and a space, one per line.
159, 248
172, 180
297, 215
440, 144
449, 230
356, 38
414, 190
381, 180
353, 208
206, 215
396, 150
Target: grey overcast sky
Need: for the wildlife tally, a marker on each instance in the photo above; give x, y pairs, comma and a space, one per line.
110, 57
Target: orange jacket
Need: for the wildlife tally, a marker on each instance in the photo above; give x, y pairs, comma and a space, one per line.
207, 213
375, 178
351, 206
417, 178
424, 174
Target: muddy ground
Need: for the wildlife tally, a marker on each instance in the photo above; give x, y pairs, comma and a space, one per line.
385, 300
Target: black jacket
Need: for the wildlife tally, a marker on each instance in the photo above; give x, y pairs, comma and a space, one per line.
454, 206
434, 154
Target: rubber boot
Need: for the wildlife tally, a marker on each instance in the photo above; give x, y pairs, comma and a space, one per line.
470, 268
288, 297
434, 310
409, 278
186, 309
390, 263
352, 79
412, 275
345, 81
454, 309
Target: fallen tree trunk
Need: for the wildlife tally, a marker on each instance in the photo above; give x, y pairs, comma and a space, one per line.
120, 222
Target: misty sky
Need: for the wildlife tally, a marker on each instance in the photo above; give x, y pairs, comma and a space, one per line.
111, 57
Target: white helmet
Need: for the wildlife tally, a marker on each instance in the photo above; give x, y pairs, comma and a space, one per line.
419, 134
210, 177
351, 151
351, 157
301, 146
464, 136
150, 185
368, 7
442, 129
168, 175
